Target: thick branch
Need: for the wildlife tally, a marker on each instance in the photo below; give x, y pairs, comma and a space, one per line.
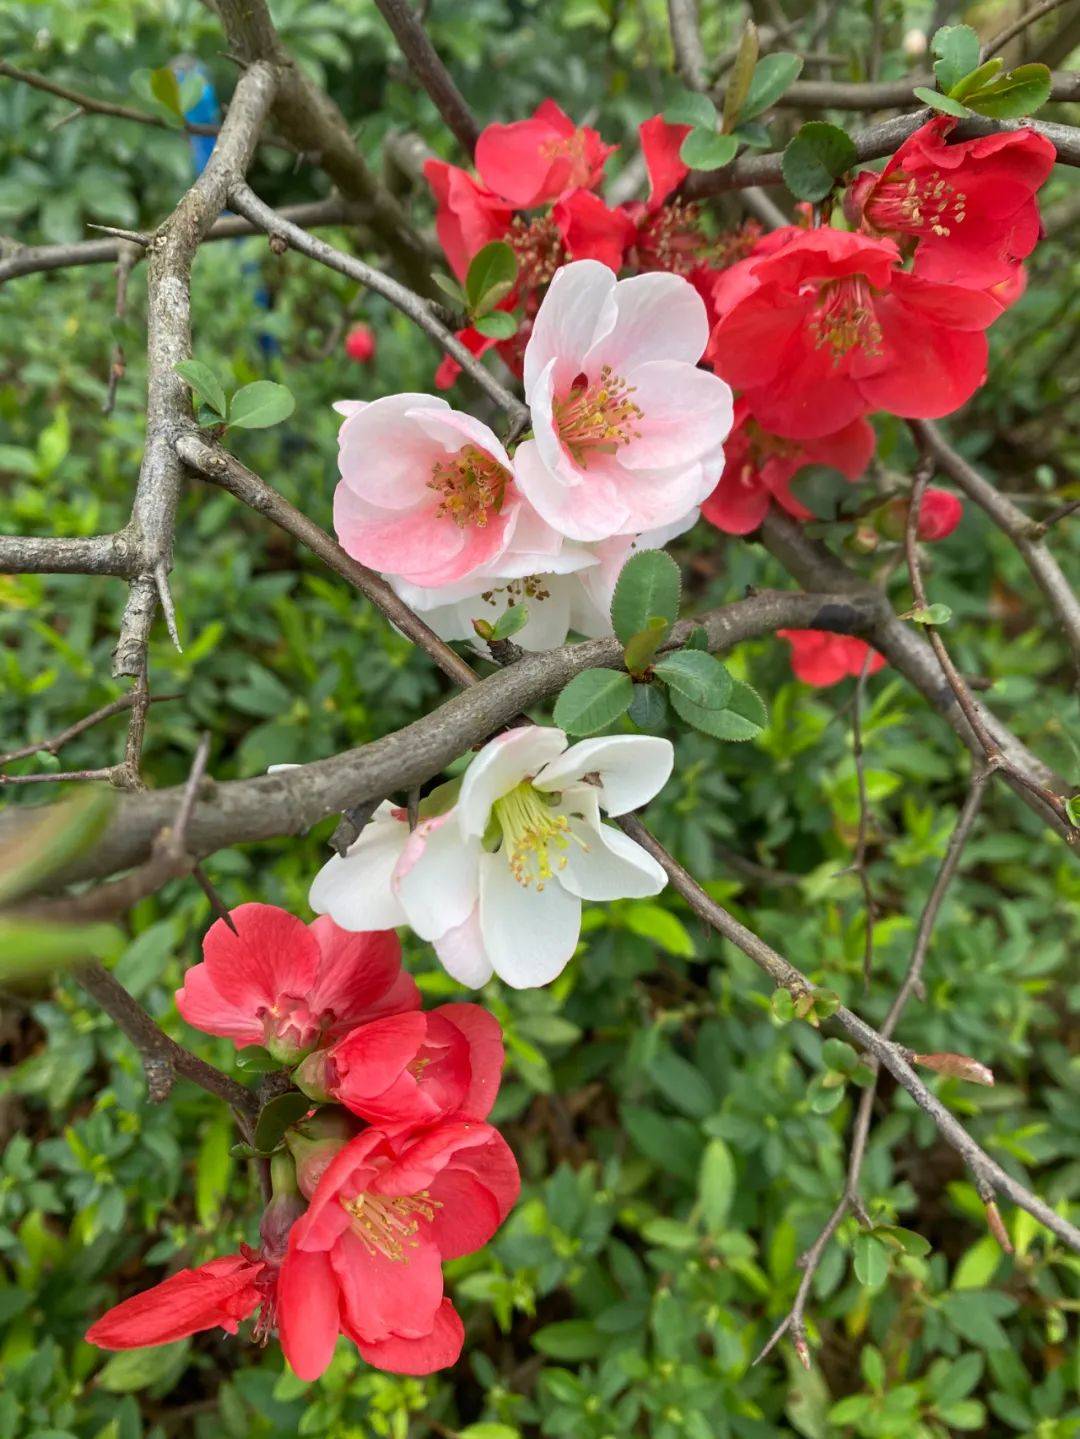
89, 555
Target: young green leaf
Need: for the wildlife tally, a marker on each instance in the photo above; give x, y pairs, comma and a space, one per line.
166, 90
509, 622
978, 79
490, 278
648, 709
256, 1060
592, 700
707, 150
692, 109
641, 648
649, 585
259, 405
772, 77
449, 286
716, 1184
871, 1260
957, 49
1021, 92
815, 159
697, 677
938, 614
277, 1116
744, 717
497, 324
740, 76
697, 639
943, 103
201, 379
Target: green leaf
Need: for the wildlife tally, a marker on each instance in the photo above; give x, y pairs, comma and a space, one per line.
449, 286
653, 922
641, 647
135, 1369
212, 1166
782, 1005
1021, 92
592, 700
978, 79
697, 639
940, 102
253, 1059
512, 619
570, 1339
815, 159
201, 379
277, 1116
698, 677
692, 109
681, 1084
839, 1056
774, 74
490, 278
937, 614
743, 718
32, 946
716, 1185
51, 838
497, 324
649, 584
871, 1260
740, 76
648, 709
708, 150
259, 405
166, 90
957, 49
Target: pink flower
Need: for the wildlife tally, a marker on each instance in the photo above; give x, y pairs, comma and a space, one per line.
290, 986
366, 1258
820, 326
968, 208
532, 162
360, 344
760, 468
468, 216
939, 514
820, 658
417, 1068
426, 492
628, 431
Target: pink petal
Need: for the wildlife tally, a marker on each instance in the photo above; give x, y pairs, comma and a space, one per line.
203, 1008
270, 954
360, 975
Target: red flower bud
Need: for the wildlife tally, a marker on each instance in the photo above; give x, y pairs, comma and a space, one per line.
360, 344
939, 514
315, 1143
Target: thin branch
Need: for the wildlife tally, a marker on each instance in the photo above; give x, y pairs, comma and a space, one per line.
686, 42
859, 863
89, 555
1010, 32
90, 105
429, 69
891, 1056
126, 261
1061, 513
889, 94
57, 742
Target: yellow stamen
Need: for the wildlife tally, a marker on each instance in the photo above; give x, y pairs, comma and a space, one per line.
597, 417
534, 837
472, 485
388, 1225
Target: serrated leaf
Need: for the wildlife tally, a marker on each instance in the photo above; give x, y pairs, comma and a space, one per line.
1020, 93
957, 49
201, 379
741, 75
52, 836
642, 647
497, 325
649, 585
692, 109
277, 1116
743, 718
259, 405
166, 90
940, 102
515, 618
708, 150
871, 1260
698, 677
449, 286
978, 79
490, 278
716, 1185
774, 74
592, 700
648, 708
815, 159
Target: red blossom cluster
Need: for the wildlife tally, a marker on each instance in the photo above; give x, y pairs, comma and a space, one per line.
816, 325
393, 1170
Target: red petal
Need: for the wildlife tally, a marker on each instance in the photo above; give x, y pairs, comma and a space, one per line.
272, 953
437, 1350
360, 975
218, 1293
308, 1310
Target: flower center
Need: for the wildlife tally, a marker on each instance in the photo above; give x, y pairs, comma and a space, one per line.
388, 1224
538, 247
471, 486
596, 416
290, 1026
763, 446
928, 205
844, 318
672, 239
534, 837
572, 148
529, 587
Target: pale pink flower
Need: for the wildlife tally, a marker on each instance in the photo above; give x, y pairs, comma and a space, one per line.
628, 432
426, 492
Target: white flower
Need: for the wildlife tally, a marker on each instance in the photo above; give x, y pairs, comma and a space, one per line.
496, 883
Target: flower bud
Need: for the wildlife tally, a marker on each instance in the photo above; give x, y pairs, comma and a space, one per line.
956, 1066
315, 1142
914, 44
284, 1209
314, 1076
360, 344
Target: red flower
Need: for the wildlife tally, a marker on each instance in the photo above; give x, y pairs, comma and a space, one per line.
820, 326
820, 658
288, 985
468, 215
532, 162
969, 207
366, 1258
360, 344
218, 1294
415, 1069
759, 468
939, 514
591, 230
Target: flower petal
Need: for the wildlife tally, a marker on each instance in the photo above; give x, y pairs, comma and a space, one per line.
219, 1293
360, 974
632, 769
436, 878
203, 1008
502, 764
462, 954
436, 1350
612, 867
354, 888
269, 953
659, 317
578, 308
307, 1310
529, 933
381, 1297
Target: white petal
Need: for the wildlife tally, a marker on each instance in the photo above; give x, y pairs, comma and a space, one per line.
578, 308
583, 505
503, 763
349, 407
613, 866
686, 416
354, 889
453, 429
660, 317
436, 878
462, 954
529, 933
632, 769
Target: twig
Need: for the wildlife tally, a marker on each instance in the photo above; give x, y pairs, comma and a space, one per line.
1010, 32
129, 254
859, 864
1061, 513
90, 105
686, 42
57, 742
429, 69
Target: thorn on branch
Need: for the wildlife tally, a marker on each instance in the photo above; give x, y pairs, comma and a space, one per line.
352, 824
